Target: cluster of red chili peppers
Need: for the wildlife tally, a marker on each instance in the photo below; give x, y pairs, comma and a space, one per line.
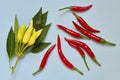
87, 31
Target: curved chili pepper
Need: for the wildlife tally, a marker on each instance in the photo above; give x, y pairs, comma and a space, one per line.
44, 60
92, 36
85, 24
64, 59
77, 8
85, 47
80, 51
71, 32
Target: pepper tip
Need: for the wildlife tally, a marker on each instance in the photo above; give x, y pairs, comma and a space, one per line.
36, 72
76, 69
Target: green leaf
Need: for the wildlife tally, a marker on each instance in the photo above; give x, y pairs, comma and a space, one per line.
40, 47
10, 43
44, 18
43, 34
37, 19
16, 26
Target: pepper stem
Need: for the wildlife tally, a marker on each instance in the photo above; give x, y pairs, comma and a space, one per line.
16, 47
95, 60
37, 71
77, 16
76, 69
13, 68
24, 48
85, 63
9, 64
84, 37
104, 41
65, 8
21, 46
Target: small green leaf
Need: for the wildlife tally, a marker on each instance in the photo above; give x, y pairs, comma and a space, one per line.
44, 18
43, 34
40, 47
10, 43
37, 19
16, 26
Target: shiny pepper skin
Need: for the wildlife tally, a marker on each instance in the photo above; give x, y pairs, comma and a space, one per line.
77, 8
85, 47
91, 35
45, 58
71, 32
64, 59
85, 24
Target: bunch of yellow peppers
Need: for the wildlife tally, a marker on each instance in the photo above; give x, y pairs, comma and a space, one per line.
26, 37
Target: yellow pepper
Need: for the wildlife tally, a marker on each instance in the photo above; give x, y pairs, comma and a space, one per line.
28, 33
38, 33
34, 36
32, 39
21, 32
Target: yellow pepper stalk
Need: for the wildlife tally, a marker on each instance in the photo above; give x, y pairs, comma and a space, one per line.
24, 41
20, 35
28, 33
34, 36
25, 38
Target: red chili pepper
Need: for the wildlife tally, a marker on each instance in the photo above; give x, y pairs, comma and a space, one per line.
85, 24
77, 8
80, 51
85, 47
44, 60
92, 36
71, 32
64, 59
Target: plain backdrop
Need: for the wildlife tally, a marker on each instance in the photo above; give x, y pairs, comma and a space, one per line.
104, 15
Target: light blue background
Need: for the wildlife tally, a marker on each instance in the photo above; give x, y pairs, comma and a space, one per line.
104, 15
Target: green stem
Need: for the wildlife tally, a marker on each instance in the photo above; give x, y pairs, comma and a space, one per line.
24, 48
104, 41
21, 46
37, 71
13, 68
76, 15
9, 64
84, 37
85, 63
16, 47
76, 69
65, 8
